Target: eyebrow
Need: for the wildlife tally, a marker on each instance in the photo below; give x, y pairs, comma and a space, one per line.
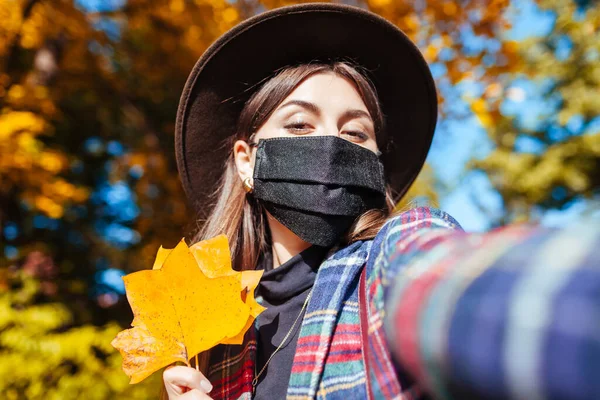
312, 107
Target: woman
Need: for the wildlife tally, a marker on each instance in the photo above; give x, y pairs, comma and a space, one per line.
297, 132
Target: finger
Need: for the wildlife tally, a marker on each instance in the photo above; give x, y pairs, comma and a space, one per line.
179, 379
194, 394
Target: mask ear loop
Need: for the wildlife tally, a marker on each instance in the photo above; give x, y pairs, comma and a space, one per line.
251, 141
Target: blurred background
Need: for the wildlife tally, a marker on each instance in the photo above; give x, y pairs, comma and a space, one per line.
88, 184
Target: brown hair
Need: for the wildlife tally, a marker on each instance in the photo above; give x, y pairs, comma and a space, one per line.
238, 215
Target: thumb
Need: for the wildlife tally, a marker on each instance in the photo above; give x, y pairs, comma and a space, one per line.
180, 379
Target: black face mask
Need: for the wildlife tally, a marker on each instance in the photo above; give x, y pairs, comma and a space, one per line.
316, 186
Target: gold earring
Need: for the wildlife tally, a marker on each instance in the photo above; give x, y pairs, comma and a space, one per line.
247, 186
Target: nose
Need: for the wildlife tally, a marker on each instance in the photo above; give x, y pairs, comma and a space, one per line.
331, 129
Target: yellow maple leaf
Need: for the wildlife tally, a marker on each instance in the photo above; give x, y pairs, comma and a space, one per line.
189, 302
214, 260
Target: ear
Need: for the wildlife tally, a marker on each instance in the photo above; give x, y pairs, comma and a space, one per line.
242, 154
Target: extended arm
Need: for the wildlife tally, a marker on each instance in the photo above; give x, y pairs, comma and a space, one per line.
510, 314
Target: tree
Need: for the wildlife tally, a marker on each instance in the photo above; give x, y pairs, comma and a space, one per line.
562, 160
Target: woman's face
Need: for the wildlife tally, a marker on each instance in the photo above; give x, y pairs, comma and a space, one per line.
324, 104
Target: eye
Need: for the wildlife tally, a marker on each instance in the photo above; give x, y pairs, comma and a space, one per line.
356, 135
298, 127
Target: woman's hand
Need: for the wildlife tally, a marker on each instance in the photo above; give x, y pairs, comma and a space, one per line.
185, 383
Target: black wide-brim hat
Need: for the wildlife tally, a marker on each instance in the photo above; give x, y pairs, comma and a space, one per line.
230, 71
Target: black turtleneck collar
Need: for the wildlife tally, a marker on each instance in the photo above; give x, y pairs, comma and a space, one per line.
292, 277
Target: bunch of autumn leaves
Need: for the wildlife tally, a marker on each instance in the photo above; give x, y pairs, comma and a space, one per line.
191, 301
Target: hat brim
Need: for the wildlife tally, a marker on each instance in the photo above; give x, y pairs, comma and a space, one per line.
229, 71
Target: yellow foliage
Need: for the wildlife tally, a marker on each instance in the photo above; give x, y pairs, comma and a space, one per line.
32, 29
11, 21
530, 178
411, 23
379, 3
177, 6
24, 161
480, 109
48, 206
45, 359
20, 121
431, 52
450, 8
230, 15
52, 162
